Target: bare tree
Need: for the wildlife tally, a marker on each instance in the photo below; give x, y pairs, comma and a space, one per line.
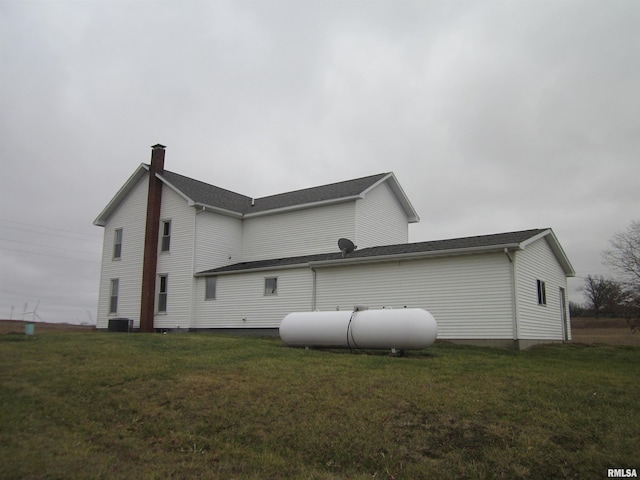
599, 292
624, 255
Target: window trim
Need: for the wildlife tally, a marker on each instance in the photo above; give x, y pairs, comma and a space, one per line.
113, 306
167, 237
274, 291
206, 287
117, 246
541, 288
164, 293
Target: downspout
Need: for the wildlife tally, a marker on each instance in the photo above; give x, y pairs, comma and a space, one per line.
514, 298
314, 276
194, 280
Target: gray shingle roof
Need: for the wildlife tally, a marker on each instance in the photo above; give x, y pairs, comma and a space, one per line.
498, 240
206, 194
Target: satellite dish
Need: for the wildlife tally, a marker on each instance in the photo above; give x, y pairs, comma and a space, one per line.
346, 246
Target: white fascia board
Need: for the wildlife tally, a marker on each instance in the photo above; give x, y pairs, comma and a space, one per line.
530, 240
556, 248
396, 188
416, 255
101, 219
301, 206
253, 270
210, 208
175, 189
192, 203
374, 259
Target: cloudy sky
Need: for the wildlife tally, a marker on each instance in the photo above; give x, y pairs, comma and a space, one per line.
494, 116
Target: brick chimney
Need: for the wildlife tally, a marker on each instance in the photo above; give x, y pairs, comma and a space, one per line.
152, 232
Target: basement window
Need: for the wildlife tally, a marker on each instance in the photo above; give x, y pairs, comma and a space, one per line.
162, 294
542, 292
117, 244
210, 288
271, 286
113, 299
166, 235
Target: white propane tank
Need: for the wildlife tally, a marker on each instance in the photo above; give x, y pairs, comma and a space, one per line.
402, 329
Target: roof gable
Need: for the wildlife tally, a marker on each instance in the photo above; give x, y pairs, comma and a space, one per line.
201, 193
131, 182
225, 201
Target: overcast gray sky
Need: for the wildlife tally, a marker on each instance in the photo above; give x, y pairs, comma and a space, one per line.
494, 116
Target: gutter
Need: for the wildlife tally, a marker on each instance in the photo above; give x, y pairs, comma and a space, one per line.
252, 270
300, 206
414, 255
222, 211
511, 256
371, 259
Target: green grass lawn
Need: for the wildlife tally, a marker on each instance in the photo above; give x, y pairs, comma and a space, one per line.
185, 406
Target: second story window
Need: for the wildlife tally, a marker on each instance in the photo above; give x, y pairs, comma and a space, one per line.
166, 235
117, 244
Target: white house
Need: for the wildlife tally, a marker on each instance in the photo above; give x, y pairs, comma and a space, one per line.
215, 259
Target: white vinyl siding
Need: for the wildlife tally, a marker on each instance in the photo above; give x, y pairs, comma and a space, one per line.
177, 264
130, 216
241, 303
469, 295
300, 232
218, 241
535, 320
380, 220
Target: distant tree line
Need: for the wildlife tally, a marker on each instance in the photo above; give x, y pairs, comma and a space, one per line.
617, 296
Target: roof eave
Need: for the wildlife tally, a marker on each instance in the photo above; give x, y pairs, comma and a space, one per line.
174, 188
556, 248
208, 273
372, 259
415, 255
301, 206
211, 208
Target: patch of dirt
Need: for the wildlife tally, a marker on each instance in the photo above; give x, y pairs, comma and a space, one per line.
17, 326
609, 331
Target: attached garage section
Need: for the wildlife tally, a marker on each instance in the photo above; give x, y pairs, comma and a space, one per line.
471, 296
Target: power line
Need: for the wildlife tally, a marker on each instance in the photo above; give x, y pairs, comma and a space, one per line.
66, 249
37, 229
50, 255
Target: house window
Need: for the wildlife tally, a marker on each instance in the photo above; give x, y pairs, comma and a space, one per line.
210, 288
162, 294
117, 244
166, 235
542, 292
113, 302
271, 286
